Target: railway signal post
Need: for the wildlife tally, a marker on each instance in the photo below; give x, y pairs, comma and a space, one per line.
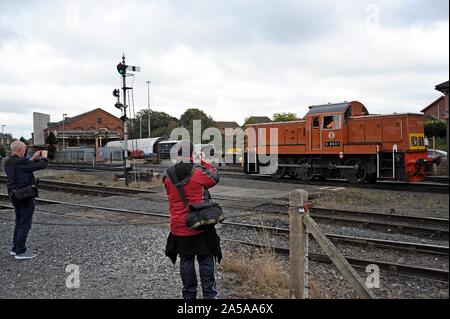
122, 69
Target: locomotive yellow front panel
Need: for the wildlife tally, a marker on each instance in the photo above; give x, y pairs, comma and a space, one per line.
417, 141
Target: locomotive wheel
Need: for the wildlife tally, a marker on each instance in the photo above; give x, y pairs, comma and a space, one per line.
279, 174
358, 174
305, 173
291, 171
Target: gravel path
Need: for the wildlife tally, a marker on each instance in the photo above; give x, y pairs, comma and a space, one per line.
115, 262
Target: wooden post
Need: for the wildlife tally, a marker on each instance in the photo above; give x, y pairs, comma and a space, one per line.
298, 280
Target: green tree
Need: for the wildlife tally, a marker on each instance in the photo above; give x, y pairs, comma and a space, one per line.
284, 117
23, 140
435, 128
161, 124
51, 141
186, 120
2, 151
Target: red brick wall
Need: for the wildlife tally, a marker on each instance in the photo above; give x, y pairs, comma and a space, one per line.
439, 109
89, 123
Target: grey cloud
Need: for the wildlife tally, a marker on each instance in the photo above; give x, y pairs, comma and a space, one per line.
7, 106
281, 22
290, 48
6, 34
416, 12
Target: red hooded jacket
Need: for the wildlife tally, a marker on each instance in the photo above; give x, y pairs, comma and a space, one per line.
199, 178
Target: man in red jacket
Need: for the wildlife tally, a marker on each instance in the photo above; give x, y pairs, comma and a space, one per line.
186, 242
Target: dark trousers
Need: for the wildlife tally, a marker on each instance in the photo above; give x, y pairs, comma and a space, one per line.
207, 266
24, 216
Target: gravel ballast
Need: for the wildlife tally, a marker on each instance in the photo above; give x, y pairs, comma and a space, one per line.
124, 261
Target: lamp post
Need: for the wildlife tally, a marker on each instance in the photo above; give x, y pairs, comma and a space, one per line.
64, 119
148, 104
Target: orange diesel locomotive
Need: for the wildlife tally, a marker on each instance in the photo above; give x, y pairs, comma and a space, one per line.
342, 141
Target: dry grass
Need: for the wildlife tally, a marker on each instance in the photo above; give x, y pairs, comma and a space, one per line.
260, 275
107, 180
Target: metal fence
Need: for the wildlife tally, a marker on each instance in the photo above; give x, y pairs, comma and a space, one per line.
87, 154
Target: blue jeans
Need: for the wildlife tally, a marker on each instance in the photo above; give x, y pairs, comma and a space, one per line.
24, 216
207, 267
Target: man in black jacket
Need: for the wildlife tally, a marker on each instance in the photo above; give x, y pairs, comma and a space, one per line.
19, 169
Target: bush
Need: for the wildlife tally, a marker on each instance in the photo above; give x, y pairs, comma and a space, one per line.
51, 151
435, 128
441, 144
2, 152
51, 139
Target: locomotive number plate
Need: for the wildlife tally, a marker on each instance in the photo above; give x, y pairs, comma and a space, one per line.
332, 144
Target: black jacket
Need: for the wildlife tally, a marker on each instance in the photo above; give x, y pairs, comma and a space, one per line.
24, 169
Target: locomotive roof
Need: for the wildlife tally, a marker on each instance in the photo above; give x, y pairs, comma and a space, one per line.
385, 115
329, 108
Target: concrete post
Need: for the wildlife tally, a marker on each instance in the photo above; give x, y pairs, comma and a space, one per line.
298, 257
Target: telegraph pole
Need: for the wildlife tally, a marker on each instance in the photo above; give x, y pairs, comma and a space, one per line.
148, 105
122, 68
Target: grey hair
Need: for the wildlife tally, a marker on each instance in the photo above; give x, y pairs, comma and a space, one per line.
17, 145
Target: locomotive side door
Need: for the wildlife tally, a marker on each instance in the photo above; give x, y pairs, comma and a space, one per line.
316, 134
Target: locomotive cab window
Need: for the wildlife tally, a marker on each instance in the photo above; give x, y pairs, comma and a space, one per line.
332, 122
316, 122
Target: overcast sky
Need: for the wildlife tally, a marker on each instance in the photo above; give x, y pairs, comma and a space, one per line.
230, 58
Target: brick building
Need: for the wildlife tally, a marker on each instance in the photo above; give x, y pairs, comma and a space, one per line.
82, 130
258, 120
443, 88
437, 110
5, 139
224, 125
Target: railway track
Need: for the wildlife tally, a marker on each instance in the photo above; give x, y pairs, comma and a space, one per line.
433, 185
87, 189
389, 222
436, 227
424, 187
432, 273
428, 226
400, 268
86, 167
369, 242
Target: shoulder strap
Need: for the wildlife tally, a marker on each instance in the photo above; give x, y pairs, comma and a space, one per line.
171, 172
13, 176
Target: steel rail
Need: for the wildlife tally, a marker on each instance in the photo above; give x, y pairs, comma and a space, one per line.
381, 243
431, 273
393, 222
435, 249
428, 272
